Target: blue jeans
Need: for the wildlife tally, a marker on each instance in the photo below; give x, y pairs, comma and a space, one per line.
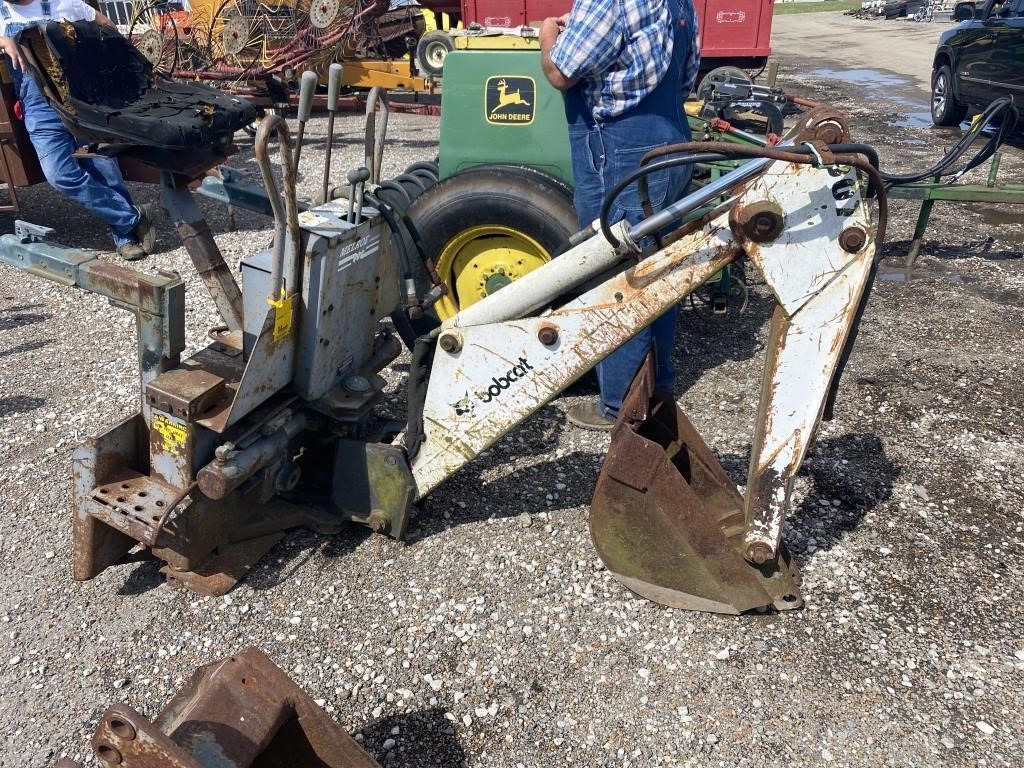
602, 155
95, 183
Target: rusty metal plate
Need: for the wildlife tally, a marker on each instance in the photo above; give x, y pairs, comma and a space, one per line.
185, 393
133, 503
220, 574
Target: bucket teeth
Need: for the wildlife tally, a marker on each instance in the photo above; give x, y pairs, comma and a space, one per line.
668, 522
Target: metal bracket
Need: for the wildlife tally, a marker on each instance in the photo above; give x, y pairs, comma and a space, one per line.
29, 249
32, 233
239, 711
158, 301
239, 188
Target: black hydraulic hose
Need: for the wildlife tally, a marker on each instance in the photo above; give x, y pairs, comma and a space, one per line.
854, 149
879, 183
641, 173
1000, 107
405, 221
389, 217
1010, 115
674, 158
1007, 124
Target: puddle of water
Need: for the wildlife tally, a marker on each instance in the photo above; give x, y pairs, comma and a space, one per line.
897, 275
869, 78
884, 85
894, 275
1000, 218
920, 119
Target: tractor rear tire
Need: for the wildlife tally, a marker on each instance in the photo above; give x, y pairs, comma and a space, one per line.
489, 225
553, 183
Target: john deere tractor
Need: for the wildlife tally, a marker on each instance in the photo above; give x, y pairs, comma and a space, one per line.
498, 201
488, 222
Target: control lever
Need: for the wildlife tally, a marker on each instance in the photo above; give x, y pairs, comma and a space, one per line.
307, 87
357, 177
333, 87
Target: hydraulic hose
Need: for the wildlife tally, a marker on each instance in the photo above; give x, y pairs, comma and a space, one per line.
692, 152
641, 174
1004, 108
862, 157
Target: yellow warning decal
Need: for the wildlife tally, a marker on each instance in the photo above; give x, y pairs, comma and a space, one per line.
174, 435
509, 100
282, 315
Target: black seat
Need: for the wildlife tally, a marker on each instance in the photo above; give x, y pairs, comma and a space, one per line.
107, 92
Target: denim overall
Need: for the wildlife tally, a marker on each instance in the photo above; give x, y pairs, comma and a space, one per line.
95, 183
604, 152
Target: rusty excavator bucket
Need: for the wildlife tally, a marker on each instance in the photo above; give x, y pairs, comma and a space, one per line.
669, 523
240, 712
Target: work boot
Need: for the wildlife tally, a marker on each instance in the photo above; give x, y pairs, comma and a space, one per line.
588, 415
145, 230
131, 252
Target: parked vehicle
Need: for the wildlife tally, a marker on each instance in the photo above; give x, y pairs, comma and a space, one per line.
964, 10
979, 61
732, 32
887, 9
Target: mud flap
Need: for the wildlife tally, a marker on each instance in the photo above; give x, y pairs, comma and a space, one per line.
668, 522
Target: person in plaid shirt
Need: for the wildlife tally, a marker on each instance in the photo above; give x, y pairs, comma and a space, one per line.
625, 67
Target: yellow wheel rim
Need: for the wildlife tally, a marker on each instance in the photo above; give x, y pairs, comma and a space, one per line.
481, 260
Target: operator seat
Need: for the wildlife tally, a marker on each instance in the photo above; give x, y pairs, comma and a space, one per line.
107, 92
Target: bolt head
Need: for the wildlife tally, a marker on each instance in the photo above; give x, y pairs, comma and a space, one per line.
547, 335
760, 552
853, 239
761, 221
829, 132
450, 341
357, 384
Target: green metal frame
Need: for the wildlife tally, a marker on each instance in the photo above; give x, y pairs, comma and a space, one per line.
934, 191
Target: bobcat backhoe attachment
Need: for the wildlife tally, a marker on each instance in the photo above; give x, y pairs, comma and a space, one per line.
276, 422
666, 518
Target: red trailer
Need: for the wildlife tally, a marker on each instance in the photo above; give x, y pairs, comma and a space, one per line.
732, 32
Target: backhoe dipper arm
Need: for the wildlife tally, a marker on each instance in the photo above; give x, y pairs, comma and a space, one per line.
817, 283
494, 367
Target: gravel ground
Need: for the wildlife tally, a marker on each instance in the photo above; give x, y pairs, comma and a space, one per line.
494, 636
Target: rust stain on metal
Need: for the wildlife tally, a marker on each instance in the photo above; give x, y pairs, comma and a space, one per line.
124, 285
239, 711
214, 271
